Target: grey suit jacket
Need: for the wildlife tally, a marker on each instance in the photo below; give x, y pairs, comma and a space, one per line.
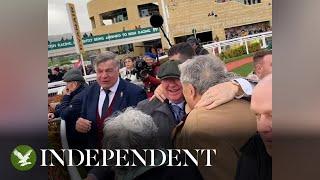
163, 117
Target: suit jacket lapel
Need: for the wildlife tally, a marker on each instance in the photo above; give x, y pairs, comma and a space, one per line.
166, 109
95, 101
119, 96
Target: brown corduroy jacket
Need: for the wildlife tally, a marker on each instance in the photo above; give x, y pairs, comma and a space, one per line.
225, 128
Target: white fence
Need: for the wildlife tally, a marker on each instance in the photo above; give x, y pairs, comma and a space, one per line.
238, 41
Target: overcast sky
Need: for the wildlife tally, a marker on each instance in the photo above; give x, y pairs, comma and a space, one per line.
58, 18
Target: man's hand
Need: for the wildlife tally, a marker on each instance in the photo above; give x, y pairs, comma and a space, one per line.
65, 91
50, 116
53, 105
83, 125
218, 94
159, 93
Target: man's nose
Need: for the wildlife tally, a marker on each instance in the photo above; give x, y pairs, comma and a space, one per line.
104, 75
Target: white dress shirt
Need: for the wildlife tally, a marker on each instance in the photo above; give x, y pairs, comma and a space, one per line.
102, 96
246, 86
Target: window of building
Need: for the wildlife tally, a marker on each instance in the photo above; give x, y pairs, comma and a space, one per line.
121, 49
93, 23
149, 9
204, 37
222, 1
115, 16
250, 2
247, 2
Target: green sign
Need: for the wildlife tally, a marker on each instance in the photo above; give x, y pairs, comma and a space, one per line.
23, 158
60, 44
103, 38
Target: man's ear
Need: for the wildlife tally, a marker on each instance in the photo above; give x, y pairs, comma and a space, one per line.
258, 68
193, 92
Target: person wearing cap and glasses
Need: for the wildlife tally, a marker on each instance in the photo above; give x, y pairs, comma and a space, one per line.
70, 107
108, 95
169, 113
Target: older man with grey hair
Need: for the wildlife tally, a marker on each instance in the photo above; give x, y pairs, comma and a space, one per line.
225, 128
136, 130
109, 94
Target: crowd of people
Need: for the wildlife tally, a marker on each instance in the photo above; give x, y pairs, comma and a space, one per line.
242, 31
56, 74
189, 102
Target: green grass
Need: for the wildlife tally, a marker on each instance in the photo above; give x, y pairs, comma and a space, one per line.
244, 70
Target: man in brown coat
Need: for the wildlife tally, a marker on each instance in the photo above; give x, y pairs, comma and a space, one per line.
225, 128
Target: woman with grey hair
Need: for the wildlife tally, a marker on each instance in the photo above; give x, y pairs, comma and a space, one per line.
133, 129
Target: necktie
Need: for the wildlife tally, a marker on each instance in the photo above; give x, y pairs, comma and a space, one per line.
178, 113
105, 103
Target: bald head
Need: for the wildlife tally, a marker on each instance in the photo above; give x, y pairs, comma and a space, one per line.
261, 105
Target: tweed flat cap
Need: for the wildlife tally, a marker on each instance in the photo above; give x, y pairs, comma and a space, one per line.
169, 70
73, 75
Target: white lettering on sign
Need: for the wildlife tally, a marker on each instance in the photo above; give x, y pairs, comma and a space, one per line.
50, 46
88, 41
64, 44
132, 33
113, 36
98, 39
144, 31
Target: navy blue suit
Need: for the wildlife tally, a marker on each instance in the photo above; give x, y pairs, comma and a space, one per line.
127, 95
69, 110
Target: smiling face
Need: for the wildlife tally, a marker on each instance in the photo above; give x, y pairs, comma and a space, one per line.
173, 88
107, 74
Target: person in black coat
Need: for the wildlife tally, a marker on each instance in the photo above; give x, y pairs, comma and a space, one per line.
254, 163
70, 107
56, 75
198, 49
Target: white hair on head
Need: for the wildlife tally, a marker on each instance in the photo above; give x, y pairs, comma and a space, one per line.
130, 129
203, 72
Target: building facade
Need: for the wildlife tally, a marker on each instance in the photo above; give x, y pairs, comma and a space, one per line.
209, 20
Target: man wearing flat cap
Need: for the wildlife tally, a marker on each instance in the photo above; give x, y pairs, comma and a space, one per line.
169, 113
70, 107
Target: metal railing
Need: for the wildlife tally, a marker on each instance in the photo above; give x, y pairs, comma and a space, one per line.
238, 41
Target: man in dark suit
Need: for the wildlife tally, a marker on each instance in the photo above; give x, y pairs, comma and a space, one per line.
108, 95
169, 113
70, 107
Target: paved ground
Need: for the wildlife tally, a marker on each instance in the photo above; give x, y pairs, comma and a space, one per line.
238, 63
